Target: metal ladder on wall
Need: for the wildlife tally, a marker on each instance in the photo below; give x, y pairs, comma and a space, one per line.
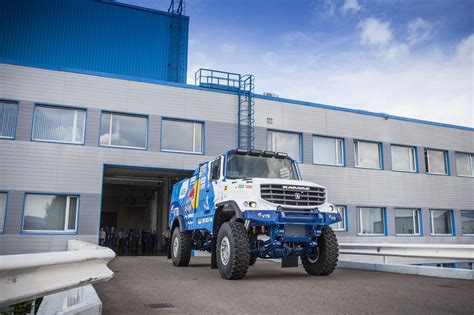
246, 112
244, 86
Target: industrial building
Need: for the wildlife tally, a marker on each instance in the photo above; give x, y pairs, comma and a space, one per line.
97, 123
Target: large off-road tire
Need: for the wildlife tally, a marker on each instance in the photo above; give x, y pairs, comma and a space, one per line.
253, 259
181, 243
328, 253
233, 251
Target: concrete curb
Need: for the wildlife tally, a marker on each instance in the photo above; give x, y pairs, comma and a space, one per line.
428, 271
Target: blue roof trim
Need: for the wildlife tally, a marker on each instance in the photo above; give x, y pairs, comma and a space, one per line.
362, 112
131, 6
265, 97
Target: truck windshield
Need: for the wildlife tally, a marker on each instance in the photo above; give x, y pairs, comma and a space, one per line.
247, 166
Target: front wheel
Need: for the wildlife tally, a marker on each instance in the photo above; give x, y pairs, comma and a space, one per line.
181, 243
233, 251
328, 253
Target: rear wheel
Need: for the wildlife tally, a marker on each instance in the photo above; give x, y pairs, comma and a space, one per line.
181, 243
233, 252
324, 263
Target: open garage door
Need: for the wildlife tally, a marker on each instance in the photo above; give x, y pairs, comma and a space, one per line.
135, 203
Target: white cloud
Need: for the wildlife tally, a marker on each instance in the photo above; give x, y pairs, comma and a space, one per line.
350, 5
375, 32
418, 30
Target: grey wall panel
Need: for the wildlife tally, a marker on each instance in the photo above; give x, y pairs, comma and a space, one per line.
25, 121
349, 152
387, 156
452, 163
220, 137
307, 148
93, 125
420, 151
89, 214
14, 211
154, 132
11, 244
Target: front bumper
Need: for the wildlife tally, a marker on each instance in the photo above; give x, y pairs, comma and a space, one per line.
290, 217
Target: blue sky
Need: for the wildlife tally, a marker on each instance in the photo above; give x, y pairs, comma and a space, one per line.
408, 58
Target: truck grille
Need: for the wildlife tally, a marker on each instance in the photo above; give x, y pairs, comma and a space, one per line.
293, 195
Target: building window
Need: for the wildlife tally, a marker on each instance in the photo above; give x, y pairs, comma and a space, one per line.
59, 124
407, 221
340, 226
182, 136
123, 130
3, 210
441, 222
371, 221
465, 164
328, 151
467, 222
436, 162
287, 142
368, 154
403, 158
50, 213
8, 118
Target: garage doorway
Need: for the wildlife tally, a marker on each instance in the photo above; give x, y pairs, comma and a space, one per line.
135, 204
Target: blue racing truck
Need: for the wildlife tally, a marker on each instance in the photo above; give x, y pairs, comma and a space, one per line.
249, 204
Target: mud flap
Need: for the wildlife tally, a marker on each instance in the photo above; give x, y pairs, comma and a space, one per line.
214, 253
289, 261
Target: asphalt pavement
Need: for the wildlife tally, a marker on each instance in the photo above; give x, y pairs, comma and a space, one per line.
152, 285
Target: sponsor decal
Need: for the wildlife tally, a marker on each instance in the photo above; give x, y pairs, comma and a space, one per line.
205, 220
291, 187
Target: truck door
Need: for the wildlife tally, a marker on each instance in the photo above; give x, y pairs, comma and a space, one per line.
208, 178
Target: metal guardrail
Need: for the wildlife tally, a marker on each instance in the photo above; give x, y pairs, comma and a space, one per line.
28, 276
444, 251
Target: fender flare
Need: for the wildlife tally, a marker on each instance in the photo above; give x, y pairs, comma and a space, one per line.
232, 204
180, 223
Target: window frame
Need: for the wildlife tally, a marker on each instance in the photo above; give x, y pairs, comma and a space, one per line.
343, 150
453, 228
471, 163
203, 135
460, 213
59, 107
344, 220
300, 137
356, 155
2, 228
446, 162
110, 127
420, 221
359, 221
415, 157
66, 216
16, 118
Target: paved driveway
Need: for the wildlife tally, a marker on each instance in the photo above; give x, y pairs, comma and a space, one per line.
151, 285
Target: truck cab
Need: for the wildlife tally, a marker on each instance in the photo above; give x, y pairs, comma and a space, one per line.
249, 204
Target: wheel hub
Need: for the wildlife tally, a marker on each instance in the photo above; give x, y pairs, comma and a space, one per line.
175, 246
225, 250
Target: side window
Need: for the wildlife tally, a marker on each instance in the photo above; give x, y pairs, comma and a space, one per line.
215, 169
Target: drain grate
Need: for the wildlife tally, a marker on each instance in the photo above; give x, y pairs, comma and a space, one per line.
160, 305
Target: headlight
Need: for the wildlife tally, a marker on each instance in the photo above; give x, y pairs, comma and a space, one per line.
251, 204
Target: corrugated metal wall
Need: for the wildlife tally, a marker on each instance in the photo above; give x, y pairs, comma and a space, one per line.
94, 36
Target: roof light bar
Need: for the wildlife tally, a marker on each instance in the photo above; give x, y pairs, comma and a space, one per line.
241, 151
255, 152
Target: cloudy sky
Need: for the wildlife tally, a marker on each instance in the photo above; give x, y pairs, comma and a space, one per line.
403, 57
